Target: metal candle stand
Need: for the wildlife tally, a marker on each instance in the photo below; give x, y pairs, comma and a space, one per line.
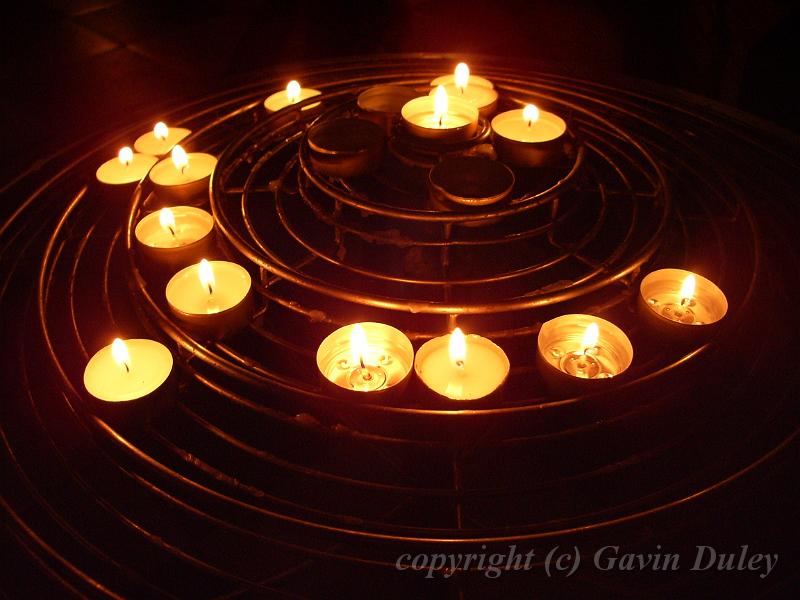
255, 448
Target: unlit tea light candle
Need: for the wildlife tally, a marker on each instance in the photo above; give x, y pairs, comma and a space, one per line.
440, 117
180, 234
460, 367
161, 140
127, 167
293, 94
212, 298
127, 370
365, 357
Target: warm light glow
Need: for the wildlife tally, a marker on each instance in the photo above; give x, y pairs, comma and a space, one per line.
125, 155
167, 220
530, 113
358, 344
461, 76
458, 347
119, 350
179, 158
688, 287
590, 336
293, 91
440, 104
161, 131
206, 273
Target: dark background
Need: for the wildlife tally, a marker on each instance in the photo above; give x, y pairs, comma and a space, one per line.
70, 67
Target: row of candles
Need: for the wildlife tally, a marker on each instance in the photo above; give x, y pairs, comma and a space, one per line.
375, 360
368, 360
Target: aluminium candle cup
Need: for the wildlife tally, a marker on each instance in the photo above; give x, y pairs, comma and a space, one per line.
145, 399
389, 349
542, 146
563, 335
231, 306
461, 120
469, 181
431, 366
346, 147
382, 104
481, 97
194, 235
188, 188
709, 307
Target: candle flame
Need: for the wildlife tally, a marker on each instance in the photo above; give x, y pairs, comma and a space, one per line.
179, 158
125, 155
206, 273
458, 347
440, 104
590, 336
358, 344
119, 350
167, 220
688, 287
530, 114
161, 131
461, 76
293, 91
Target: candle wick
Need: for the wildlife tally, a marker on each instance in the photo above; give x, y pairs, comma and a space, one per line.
529, 122
685, 301
440, 120
183, 168
361, 361
171, 230
459, 363
210, 290
127, 368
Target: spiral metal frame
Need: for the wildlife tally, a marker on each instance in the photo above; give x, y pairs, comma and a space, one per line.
255, 450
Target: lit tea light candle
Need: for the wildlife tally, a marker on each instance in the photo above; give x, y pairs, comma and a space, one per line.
367, 361
582, 347
682, 300
127, 167
127, 378
529, 137
290, 96
161, 140
463, 368
382, 104
346, 147
458, 74
183, 176
175, 236
211, 298
481, 97
440, 117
